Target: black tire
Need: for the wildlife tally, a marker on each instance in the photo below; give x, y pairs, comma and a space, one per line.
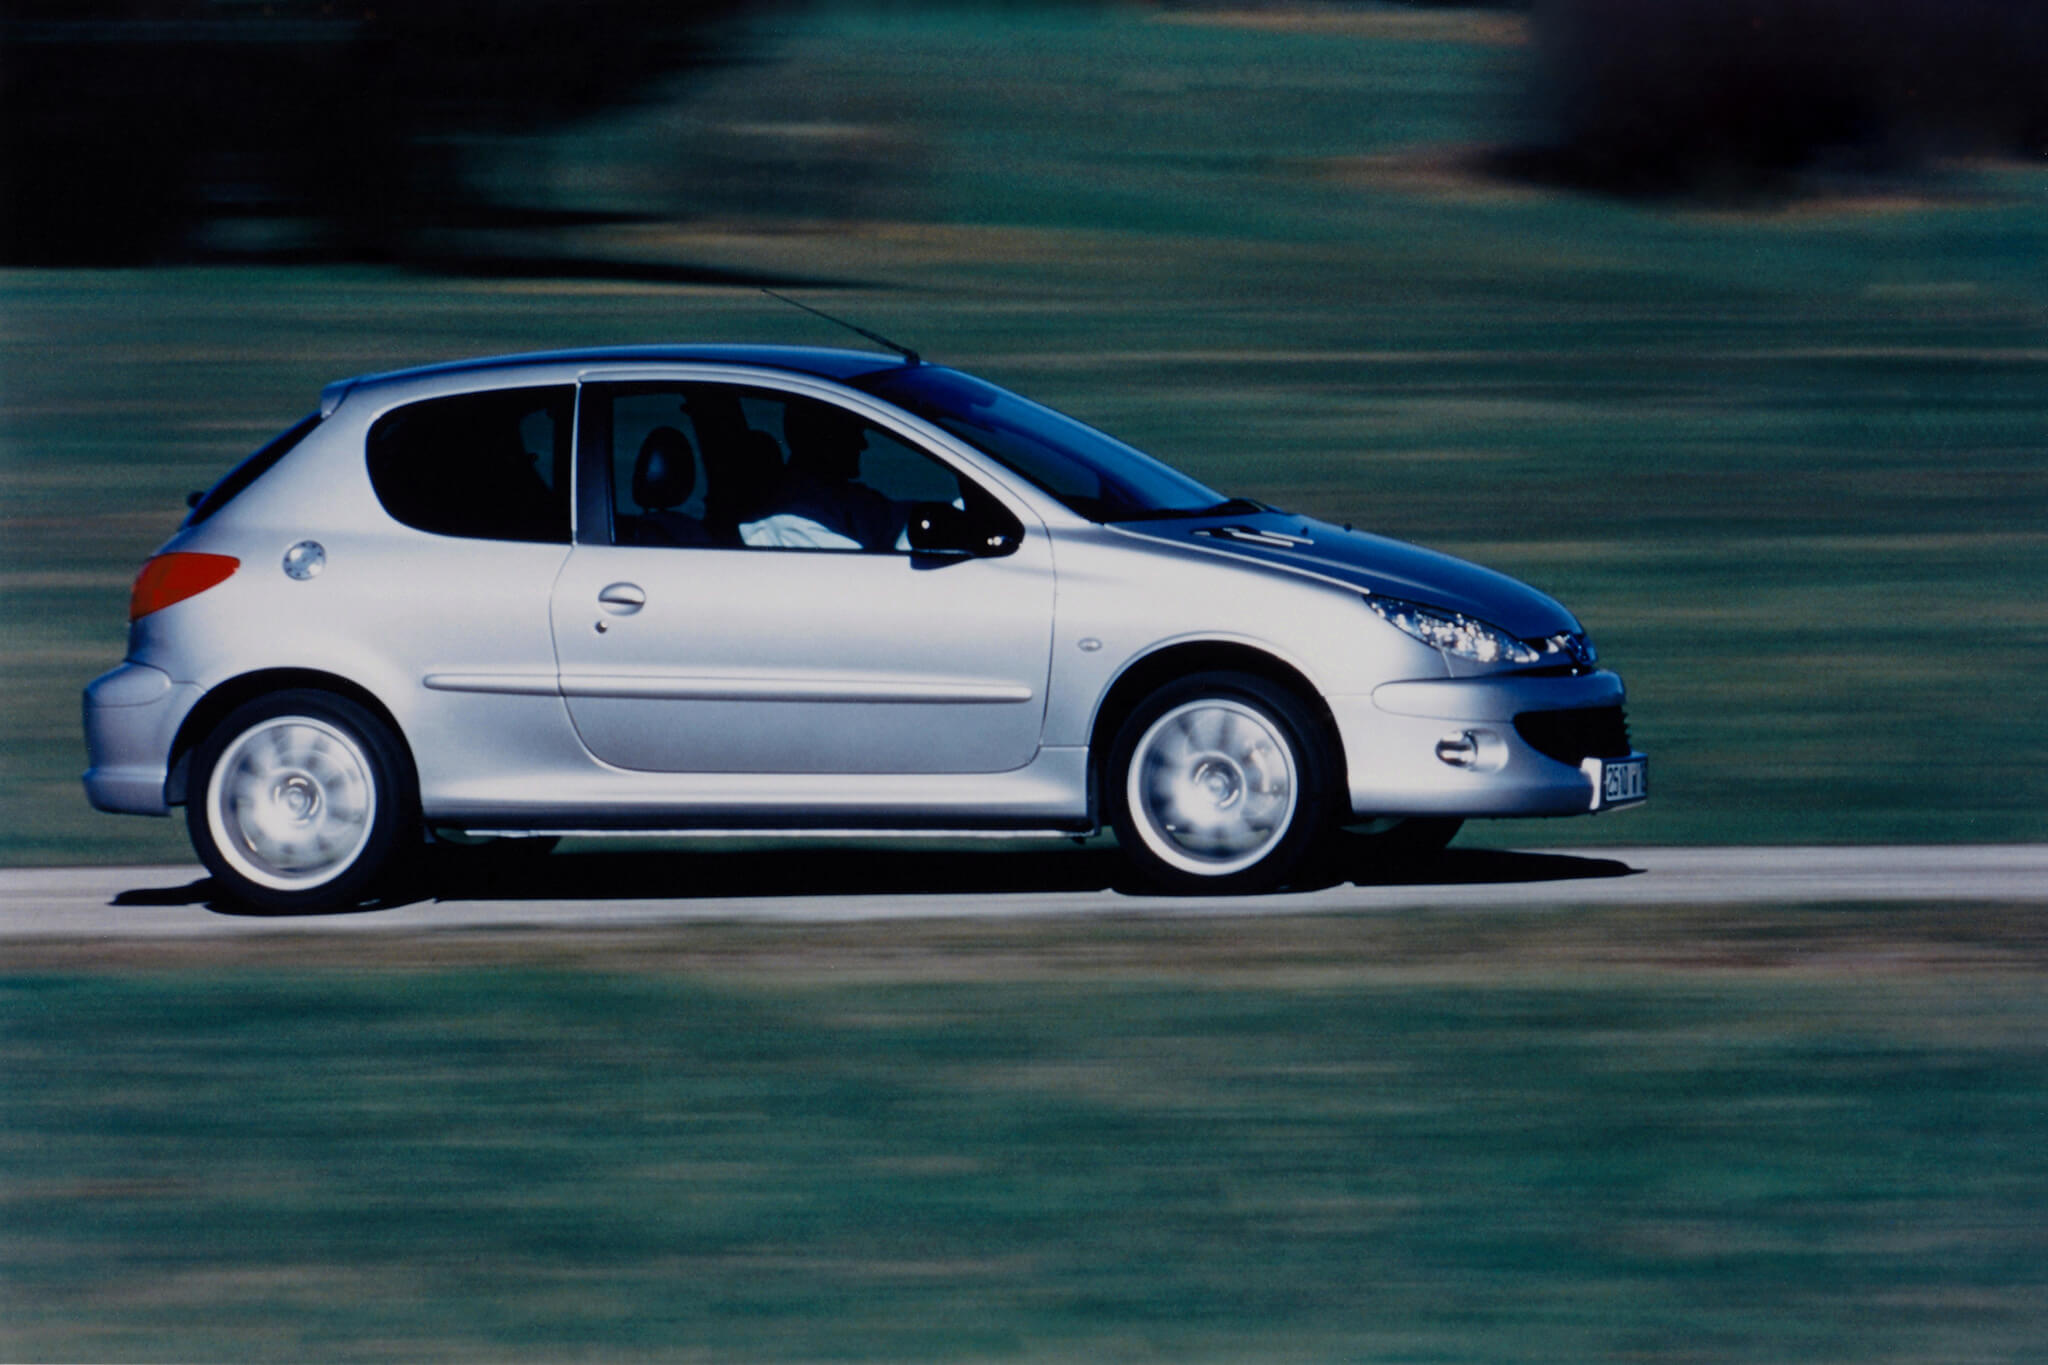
1220, 783
302, 802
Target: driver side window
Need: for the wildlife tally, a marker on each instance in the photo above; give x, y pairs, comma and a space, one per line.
722, 466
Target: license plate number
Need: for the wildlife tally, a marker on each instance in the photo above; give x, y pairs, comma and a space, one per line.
1619, 781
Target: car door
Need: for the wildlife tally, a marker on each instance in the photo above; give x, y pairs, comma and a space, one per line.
737, 607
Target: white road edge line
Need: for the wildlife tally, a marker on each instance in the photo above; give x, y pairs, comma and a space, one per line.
79, 903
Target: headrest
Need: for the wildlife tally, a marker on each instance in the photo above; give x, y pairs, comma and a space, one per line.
665, 471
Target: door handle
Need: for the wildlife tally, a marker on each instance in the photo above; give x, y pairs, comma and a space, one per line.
621, 599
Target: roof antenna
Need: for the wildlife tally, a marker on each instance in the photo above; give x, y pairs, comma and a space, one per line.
910, 357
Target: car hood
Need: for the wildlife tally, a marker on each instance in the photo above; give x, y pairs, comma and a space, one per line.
1376, 564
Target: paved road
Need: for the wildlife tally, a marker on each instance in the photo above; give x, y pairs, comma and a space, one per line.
586, 891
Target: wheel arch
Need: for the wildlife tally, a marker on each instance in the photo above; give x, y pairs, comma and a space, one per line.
1148, 673
215, 705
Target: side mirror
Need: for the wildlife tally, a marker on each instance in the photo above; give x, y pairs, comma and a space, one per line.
939, 528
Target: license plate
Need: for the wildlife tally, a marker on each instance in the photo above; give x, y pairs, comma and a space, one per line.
1618, 781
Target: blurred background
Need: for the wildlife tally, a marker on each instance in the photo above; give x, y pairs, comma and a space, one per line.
1725, 321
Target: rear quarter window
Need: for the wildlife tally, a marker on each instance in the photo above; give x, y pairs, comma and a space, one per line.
488, 466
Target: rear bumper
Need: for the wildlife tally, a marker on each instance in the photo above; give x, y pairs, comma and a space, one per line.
1393, 738
132, 715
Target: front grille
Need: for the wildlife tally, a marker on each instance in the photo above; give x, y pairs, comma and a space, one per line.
1574, 736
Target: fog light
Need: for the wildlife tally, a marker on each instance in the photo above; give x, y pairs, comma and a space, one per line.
1460, 750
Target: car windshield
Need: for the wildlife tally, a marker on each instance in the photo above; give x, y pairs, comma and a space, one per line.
1095, 474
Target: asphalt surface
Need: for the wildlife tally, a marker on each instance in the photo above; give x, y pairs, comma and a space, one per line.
584, 890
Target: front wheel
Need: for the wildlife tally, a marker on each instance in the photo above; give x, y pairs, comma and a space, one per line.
302, 802
1219, 783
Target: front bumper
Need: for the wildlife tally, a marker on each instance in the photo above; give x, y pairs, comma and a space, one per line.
132, 715
1393, 737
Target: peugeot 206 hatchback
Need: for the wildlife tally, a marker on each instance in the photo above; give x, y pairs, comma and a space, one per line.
771, 589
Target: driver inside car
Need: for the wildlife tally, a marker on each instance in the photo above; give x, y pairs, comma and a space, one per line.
820, 502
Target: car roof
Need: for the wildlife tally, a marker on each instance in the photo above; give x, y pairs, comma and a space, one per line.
821, 362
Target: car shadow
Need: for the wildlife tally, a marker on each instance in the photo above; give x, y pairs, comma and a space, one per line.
1473, 867
838, 870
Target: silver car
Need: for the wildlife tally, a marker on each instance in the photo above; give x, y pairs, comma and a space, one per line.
761, 589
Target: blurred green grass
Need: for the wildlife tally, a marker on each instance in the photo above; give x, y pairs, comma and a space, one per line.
1785, 466
1783, 1135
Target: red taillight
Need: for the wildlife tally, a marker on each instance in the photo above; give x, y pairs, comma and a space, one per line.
175, 577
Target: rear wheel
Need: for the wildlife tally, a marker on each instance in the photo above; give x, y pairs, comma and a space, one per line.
302, 802
1219, 783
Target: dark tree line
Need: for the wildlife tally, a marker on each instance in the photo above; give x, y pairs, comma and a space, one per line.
1729, 97
130, 127
126, 124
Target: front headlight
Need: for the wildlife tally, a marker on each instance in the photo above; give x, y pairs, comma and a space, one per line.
1453, 632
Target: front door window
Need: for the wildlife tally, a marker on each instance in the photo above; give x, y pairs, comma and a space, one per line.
713, 465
